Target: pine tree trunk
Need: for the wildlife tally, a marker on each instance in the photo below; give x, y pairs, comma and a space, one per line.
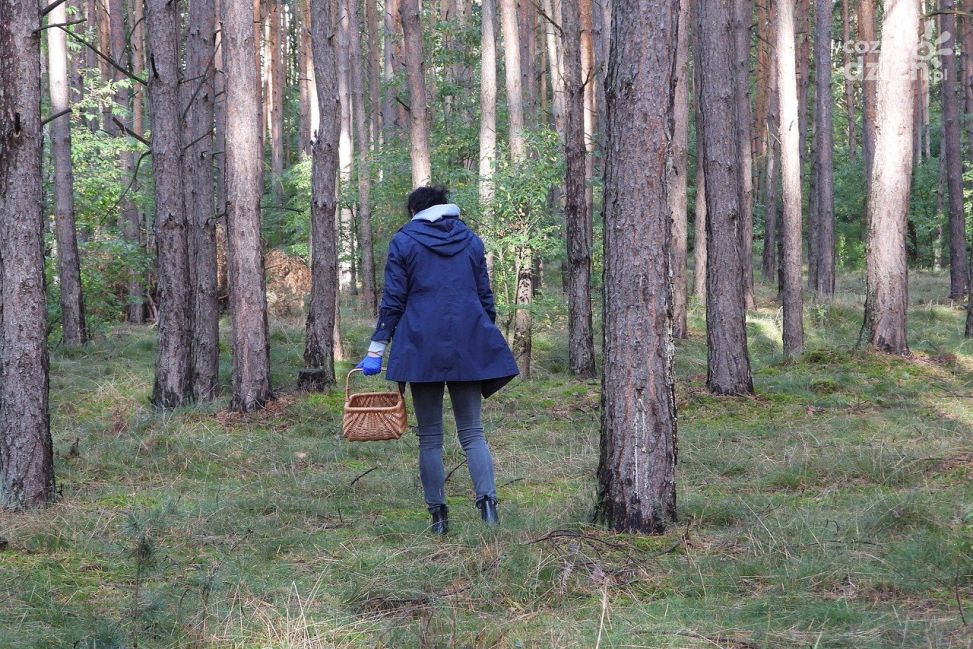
276, 100
524, 292
555, 61
728, 361
824, 135
304, 65
488, 107
679, 173
803, 49
26, 450
198, 159
346, 151
173, 367
374, 72
135, 223
771, 201
866, 34
367, 270
790, 164
699, 226
849, 80
415, 74
68, 261
321, 344
527, 22
219, 151
590, 96
744, 18
636, 470
886, 300
581, 350
244, 186
952, 145
391, 111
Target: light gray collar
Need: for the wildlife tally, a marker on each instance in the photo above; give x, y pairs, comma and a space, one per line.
437, 212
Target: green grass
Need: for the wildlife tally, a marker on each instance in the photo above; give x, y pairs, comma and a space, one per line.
834, 509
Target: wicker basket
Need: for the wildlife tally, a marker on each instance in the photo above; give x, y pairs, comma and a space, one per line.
373, 416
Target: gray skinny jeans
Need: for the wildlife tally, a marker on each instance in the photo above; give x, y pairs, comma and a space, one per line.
427, 399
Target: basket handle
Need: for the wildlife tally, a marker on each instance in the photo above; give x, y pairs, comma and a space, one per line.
348, 382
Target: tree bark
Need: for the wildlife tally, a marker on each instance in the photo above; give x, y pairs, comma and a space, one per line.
866, 33
304, 67
346, 151
321, 345
678, 174
276, 99
26, 450
173, 367
824, 148
488, 106
135, 224
392, 112
886, 300
590, 96
952, 144
555, 61
772, 126
849, 81
581, 349
244, 186
728, 367
790, 164
68, 261
364, 162
198, 158
803, 49
636, 470
699, 225
415, 74
744, 18
374, 71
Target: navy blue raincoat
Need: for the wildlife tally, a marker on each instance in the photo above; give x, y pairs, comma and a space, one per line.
438, 305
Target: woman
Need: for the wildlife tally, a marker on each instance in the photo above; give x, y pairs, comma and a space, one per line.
438, 305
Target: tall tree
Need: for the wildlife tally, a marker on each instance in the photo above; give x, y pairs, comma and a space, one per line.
555, 61
886, 299
244, 185
415, 73
488, 104
581, 348
790, 164
320, 344
374, 72
699, 217
68, 261
135, 223
743, 18
849, 80
26, 451
346, 152
173, 365
771, 199
679, 174
824, 261
728, 367
636, 470
276, 98
866, 34
518, 154
364, 160
201, 208
952, 144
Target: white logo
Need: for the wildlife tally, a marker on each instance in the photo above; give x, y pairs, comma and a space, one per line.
928, 64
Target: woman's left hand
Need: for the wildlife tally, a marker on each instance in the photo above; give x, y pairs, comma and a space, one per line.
370, 365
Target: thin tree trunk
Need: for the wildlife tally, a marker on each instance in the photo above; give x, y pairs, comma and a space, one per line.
392, 29
198, 157
824, 134
276, 99
886, 300
590, 97
518, 154
790, 163
866, 34
679, 172
849, 80
952, 145
346, 151
581, 349
488, 107
364, 162
321, 343
769, 258
68, 261
527, 22
555, 60
244, 186
304, 65
803, 49
636, 470
135, 223
173, 367
219, 151
937, 243
374, 72
26, 450
415, 73
744, 18
699, 225
728, 360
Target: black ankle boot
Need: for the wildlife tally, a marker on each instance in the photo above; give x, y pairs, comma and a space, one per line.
440, 520
488, 511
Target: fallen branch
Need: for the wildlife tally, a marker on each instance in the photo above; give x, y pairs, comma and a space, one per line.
48, 120
352, 483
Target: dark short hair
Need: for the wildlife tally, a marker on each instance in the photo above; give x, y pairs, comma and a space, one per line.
425, 197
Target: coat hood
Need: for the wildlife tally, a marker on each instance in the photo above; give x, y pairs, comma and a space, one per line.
446, 236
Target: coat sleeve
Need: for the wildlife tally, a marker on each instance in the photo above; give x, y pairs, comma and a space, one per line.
483, 285
394, 294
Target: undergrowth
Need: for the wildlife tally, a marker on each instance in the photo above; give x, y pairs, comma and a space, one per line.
834, 509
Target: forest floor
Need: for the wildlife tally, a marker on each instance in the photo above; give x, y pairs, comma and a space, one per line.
834, 509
